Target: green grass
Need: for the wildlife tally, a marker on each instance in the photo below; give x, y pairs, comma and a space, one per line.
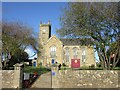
39, 70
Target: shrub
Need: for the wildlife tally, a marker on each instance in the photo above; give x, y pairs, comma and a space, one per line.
63, 64
99, 64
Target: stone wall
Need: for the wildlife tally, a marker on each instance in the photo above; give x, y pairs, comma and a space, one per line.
84, 79
12, 78
7, 78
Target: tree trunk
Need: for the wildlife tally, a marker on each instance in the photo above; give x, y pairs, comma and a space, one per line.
116, 60
102, 60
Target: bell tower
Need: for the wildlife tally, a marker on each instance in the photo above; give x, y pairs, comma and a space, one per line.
45, 32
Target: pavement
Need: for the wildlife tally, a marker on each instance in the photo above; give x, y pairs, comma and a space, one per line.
43, 81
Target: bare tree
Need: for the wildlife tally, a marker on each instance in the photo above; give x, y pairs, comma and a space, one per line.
16, 37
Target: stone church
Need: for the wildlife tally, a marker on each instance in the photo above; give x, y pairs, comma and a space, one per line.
63, 50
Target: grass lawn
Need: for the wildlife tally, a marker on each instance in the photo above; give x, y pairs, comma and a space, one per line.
39, 70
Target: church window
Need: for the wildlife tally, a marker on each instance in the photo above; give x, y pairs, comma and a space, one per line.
75, 53
67, 54
83, 54
53, 52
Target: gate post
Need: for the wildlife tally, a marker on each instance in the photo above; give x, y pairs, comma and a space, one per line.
54, 73
18, 75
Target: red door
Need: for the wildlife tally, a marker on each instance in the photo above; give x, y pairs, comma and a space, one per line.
75, 63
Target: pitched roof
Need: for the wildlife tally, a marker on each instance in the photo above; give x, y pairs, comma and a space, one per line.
53, 36
76, 41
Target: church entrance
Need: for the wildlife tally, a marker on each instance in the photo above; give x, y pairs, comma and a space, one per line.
53, 61
34, 64
75, 63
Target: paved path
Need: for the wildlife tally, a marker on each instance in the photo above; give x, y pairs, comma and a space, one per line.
43, 81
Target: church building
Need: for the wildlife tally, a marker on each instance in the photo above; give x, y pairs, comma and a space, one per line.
71, 52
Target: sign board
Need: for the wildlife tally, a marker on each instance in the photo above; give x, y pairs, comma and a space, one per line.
26, 76
53, 73
75, 63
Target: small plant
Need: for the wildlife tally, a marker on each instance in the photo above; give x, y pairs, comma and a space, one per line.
63, 64
98, 64
92, 66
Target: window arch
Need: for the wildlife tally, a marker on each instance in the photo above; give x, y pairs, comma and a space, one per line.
75, 52
67, 54
53, 51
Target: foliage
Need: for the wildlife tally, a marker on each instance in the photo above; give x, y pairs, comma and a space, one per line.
98, 64
15, 38
63, 64
32, 70
97, 21
18, 57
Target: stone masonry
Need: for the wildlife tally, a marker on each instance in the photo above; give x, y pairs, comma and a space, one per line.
63, 50
12, 78
7, 78
85, 79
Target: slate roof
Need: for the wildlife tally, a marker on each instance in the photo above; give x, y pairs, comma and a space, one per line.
76, 41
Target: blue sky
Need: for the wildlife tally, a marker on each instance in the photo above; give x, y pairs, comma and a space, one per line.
31, 13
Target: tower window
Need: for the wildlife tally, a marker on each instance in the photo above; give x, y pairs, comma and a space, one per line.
53, 52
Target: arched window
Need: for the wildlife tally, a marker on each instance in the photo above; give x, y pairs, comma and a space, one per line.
83, 54
75, 53
67, 54
53, 51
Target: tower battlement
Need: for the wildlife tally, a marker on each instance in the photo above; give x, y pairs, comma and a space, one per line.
45, 32
45, 24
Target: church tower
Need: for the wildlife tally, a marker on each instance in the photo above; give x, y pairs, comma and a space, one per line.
45, 32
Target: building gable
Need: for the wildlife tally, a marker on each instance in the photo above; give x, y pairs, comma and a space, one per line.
53, 39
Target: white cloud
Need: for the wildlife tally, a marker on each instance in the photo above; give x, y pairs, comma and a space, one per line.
30, 52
